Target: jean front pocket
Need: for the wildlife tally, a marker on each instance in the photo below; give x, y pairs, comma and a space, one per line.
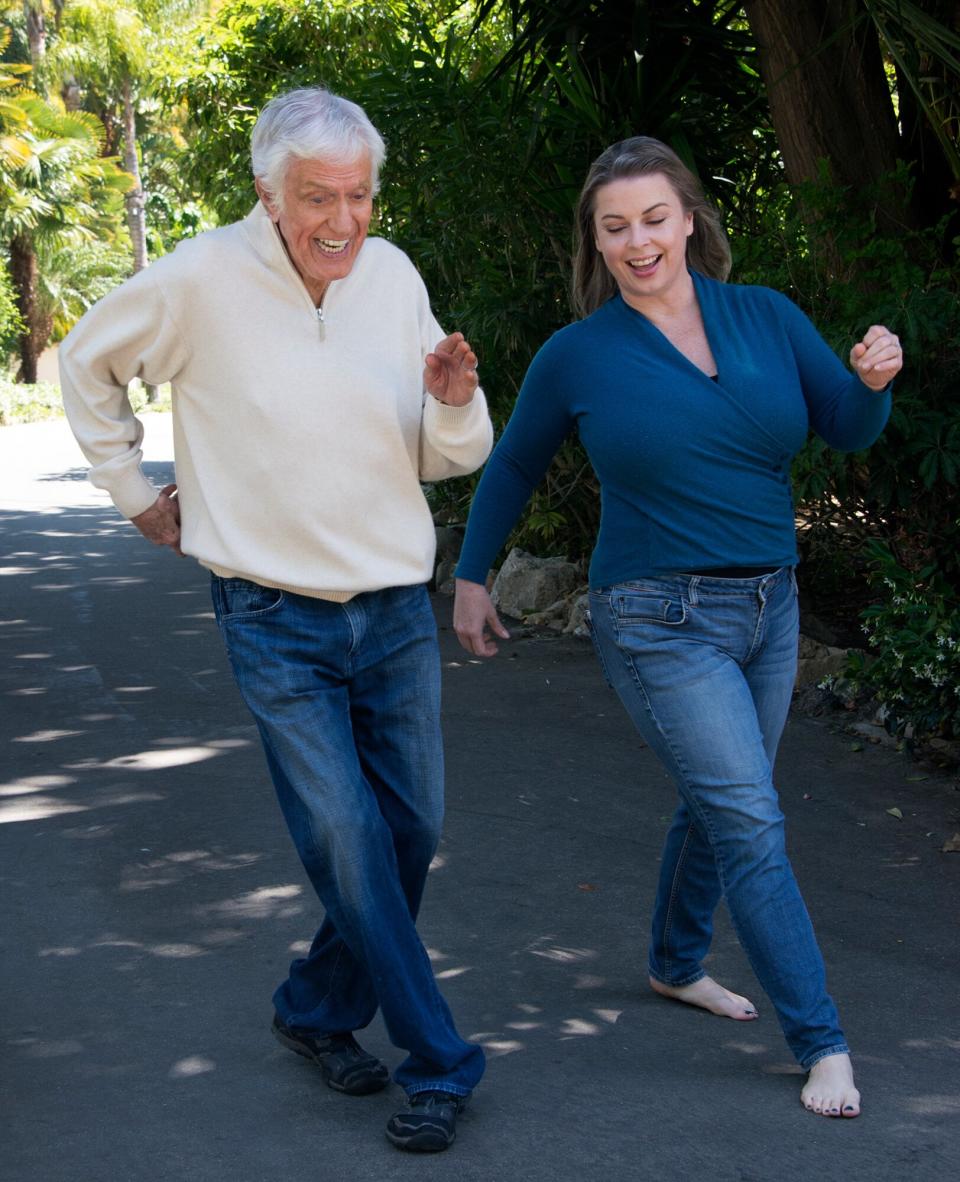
234, 599
651, 605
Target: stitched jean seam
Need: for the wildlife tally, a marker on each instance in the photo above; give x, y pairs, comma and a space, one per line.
674, 893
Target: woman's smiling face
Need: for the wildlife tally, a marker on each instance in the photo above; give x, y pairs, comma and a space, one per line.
641, 230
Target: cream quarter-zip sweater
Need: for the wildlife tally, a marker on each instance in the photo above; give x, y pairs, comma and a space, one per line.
300, 441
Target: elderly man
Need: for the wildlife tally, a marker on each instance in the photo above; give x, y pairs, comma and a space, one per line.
313, 391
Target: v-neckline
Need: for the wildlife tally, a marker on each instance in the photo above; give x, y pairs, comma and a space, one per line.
715, 378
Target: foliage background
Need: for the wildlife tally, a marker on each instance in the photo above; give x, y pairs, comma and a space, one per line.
492, 112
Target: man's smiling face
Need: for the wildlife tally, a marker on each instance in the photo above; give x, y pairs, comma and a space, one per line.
323, 218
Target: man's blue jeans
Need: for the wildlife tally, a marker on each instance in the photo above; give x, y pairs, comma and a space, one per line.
347, 700
705, 668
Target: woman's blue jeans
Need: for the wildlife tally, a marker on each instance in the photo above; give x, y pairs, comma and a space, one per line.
347, 700
705, 668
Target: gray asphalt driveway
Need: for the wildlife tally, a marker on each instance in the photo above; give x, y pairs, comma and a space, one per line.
151, 900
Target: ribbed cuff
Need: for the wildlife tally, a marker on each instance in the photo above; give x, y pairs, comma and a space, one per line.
129, 489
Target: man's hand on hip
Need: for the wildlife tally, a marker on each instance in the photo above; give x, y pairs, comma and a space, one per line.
160, 523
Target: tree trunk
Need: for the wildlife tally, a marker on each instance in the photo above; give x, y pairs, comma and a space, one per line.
136, 218
72, 95
113, 131
36, 38
829, 98
23, 273
135, 203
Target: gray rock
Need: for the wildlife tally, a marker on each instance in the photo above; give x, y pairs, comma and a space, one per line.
576, 621
554, 616
526, 585
874, 734
817, 661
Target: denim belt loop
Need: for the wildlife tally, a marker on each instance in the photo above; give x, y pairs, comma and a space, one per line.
692, 596
768, 583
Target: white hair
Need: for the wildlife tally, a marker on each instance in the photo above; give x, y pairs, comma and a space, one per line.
311, 124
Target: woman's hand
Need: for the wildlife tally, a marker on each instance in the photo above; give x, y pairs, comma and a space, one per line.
160, 523
473, 613
877, 358
450, 371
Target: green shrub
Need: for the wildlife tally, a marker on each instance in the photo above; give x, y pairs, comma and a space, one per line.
20, 403
28, 404
11, 323
914, 635
823, 248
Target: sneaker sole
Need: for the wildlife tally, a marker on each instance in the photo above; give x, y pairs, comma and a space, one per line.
421, 1142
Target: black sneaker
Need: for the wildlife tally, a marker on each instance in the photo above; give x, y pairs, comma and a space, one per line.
428, 1124
346, 1066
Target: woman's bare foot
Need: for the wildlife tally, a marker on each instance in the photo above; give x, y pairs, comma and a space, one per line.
829, 1089
708, 995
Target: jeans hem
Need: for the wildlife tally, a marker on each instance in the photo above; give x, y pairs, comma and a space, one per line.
839, 1049
440, 1085
697, 976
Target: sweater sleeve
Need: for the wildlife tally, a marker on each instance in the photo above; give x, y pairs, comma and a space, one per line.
128, 334
844, 412
539, 424
454, 440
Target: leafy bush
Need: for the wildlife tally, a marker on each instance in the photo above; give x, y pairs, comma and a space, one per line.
11, 322
21, 403
914, 632
73, 276
824, 249
28, 403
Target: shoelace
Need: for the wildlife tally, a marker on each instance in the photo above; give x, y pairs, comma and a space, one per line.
344, 1042
429, 1101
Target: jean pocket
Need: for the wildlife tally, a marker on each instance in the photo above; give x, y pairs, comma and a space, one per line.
236, 598
650, 607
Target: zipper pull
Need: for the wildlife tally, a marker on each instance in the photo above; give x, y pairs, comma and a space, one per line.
320, 323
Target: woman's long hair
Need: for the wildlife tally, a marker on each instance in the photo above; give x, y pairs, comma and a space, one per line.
707, 248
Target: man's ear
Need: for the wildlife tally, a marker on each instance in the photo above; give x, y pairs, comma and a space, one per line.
267, 200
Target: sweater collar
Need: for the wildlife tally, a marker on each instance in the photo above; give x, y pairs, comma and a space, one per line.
264, 237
